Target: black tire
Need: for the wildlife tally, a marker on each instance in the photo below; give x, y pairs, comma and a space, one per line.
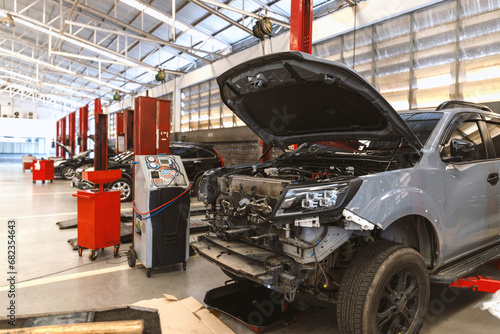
131, 258
68, 173
125, 187
385, 289
195, 186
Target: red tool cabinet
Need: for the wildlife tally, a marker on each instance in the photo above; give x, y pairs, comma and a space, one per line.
99, 214
43, 170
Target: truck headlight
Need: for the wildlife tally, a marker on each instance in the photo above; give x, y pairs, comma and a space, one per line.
312, 199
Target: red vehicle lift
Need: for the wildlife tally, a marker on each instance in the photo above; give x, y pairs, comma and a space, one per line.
128, 119
480, 283
72, 130
63, 135
83, 127
99, 214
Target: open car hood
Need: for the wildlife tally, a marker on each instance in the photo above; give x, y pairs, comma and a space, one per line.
294, 97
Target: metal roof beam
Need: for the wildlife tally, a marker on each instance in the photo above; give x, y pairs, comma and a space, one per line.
222, 16
124, 25
240, 11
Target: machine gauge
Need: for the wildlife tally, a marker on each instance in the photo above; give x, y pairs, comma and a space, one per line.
151, 159
153, 165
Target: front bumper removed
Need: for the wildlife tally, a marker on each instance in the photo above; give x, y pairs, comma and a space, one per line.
260, 265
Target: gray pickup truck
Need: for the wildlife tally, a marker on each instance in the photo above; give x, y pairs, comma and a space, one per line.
369, 209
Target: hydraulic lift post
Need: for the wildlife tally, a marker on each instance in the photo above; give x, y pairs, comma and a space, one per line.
72, 131
101, 138
58, 138
63, 135
163, 126
84, 126
145, 126
128, 119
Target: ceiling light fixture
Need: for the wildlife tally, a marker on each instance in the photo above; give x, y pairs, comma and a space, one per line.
8, 21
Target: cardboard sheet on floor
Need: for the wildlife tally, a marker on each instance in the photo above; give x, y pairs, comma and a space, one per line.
185, 316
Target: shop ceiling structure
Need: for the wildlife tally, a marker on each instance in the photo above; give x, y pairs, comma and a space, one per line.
70, 52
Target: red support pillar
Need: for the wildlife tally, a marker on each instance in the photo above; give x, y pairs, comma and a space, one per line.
84, 126
101, 142
128, 119
145, 126
72, 131
97, 107
63, 135
301, 19
58, 137
163, 126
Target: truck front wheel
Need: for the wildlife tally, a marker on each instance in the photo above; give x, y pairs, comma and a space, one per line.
385, 289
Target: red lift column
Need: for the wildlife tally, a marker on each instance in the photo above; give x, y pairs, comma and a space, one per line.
63, 135
301, 18
84, 126
163, 126
72, 131
128, 119
145, 126
58, 137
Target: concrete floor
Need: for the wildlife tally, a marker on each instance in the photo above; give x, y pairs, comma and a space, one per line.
53, 278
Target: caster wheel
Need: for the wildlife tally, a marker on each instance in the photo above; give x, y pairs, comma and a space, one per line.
115, 250
102, 249
148, 273
93, 255
51, 181
34, 182
131, 258
80, 251
43, 182
184, 265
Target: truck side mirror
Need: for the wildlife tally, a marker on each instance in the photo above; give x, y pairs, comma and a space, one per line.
460, 150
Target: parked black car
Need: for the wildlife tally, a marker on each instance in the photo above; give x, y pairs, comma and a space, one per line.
66, 168
196, 158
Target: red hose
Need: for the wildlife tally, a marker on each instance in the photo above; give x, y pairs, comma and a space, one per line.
161, 206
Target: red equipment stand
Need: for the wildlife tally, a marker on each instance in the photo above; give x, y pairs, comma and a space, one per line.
480, 283
27, 161
43, 170
99, 214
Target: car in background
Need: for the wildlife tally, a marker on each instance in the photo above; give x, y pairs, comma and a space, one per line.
66, 168
196, 158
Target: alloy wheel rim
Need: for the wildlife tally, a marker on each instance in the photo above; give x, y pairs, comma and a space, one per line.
398, 304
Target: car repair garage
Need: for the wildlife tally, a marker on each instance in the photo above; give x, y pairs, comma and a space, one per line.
250, 166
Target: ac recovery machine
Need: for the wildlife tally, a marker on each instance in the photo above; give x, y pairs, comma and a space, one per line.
161, 212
